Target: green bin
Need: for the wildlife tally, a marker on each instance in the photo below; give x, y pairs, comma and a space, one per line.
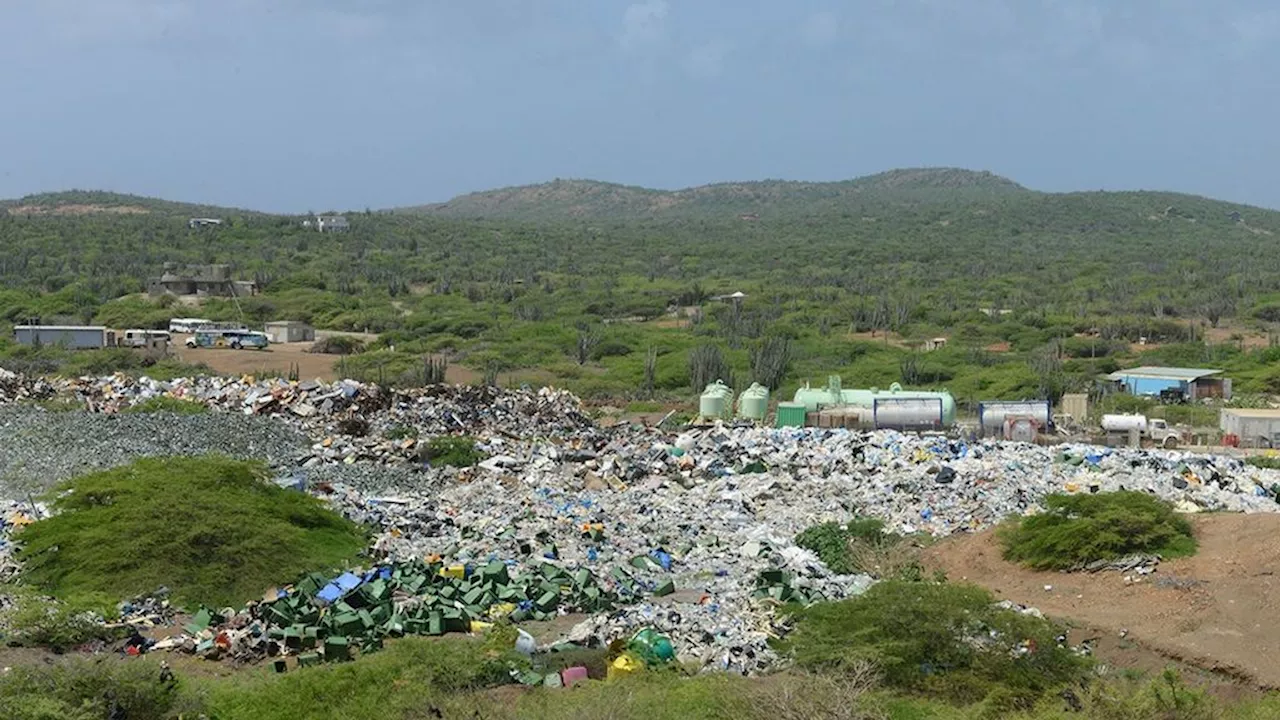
790, 414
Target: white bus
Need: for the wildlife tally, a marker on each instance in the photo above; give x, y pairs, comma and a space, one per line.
187, 325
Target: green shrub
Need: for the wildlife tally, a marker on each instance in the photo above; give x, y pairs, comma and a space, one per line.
97, 689
400, 432
1264, 461
208, 528
830, 543
169, 405
452, 451
610, 348
1078, 529
945, 640
841, 548
403, 681
35, 621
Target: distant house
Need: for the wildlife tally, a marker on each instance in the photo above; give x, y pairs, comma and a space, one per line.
1191, 383
332, 223
194, 223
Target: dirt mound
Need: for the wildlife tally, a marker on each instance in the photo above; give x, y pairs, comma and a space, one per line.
1216, 610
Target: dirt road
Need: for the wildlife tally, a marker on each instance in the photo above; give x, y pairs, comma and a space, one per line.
277, 359
1219, 610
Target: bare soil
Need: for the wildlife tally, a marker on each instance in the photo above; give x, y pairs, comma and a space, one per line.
1216, 611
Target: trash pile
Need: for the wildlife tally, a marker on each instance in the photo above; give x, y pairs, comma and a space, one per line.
322, 619
15, 387
625, 529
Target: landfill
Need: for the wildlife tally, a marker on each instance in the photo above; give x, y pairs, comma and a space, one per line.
618, 530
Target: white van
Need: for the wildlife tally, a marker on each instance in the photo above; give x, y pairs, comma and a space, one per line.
142, 338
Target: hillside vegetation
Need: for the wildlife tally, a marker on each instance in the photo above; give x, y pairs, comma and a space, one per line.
587, 287
588, 199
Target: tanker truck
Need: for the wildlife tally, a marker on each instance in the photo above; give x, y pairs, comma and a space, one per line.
1140, 428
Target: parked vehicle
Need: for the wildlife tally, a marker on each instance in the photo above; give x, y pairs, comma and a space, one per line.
234, 339
143, 338
187, 325
1155, 430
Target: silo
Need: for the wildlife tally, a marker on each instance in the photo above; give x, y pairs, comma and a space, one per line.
753, 403
716, 401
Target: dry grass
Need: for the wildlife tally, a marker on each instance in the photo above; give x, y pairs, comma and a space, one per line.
898, 560
808, 696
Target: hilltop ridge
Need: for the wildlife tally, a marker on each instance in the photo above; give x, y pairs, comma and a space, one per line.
590, 199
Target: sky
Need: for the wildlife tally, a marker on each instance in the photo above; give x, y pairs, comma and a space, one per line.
309, 105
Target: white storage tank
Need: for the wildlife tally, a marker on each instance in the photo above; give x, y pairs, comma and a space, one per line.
1124, 423
992, 413
918, 413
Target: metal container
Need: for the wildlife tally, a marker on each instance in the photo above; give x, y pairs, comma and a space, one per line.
834, 396
913, 413
992, 413
1124, 423
716, 401
753, 403
790, 414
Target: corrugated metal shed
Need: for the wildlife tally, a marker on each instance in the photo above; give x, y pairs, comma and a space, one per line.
1163, 373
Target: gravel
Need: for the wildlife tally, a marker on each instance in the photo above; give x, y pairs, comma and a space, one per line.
39, 448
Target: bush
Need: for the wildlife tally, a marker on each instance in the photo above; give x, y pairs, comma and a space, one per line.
862, 546
337, 345
451, 451
609, 348
1264, 461
35, 621
167, 404
1078, 529
946, 640
84, 689
208, 528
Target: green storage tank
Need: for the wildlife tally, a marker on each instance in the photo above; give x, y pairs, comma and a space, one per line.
833, 396
753, 403
716, 401
791, 414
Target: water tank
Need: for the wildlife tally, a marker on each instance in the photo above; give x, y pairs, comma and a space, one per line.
716, 400
1124, 423
833, 396
992, 413
908, 413
753, 403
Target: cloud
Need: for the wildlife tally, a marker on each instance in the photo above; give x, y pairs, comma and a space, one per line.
706, 62
643, 23
821, 29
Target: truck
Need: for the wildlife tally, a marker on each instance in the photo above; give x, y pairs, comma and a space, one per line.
1156, 430
234, 339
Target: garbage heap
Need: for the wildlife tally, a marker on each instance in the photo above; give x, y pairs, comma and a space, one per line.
324, 619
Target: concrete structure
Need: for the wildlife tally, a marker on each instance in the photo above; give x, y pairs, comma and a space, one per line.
1254, 428
1191, 383
288, 331
200, 280
75, 337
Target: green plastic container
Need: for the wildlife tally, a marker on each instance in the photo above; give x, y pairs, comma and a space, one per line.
791, 414
716, 401
753, 403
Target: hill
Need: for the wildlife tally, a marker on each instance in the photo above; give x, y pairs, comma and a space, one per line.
88, 202
578, 300
589, 199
